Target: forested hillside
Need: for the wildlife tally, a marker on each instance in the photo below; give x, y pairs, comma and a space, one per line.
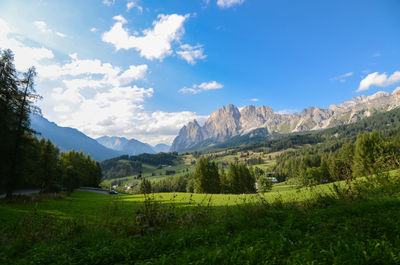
67, 139
26, 161
126, 165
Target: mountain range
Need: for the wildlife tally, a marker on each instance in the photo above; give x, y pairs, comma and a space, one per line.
231, 122
132, 146
67, 138
228, 126
102, 148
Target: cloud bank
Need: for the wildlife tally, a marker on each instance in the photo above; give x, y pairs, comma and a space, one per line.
379, 80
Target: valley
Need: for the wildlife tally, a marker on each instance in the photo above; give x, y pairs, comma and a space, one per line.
199, 132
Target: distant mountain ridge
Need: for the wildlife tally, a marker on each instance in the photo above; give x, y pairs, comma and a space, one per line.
230, 122
67, 138
161, 148
130, 147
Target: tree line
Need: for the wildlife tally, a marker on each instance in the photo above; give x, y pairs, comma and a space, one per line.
345, 159
209, 177
26, 161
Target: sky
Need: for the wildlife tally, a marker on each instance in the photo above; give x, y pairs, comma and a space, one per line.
143, 68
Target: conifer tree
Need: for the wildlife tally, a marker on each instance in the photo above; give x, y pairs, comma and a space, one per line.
17, 96
206, 176
368, 154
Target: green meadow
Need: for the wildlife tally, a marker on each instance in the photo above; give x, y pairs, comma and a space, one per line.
324, 224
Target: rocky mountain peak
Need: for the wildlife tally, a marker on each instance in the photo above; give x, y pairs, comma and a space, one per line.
396, 91
228, 121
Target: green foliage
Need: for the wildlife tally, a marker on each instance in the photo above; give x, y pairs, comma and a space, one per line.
124, 166
145, 186
90, 228
170, 172
206, 176
341, 159
48, 174
264, 184
368, 154
223, 181
240, 179
120, 167
88, 170
172, 184
341, 163
26, 162
17, 95
70, 178
157, 159
255, 161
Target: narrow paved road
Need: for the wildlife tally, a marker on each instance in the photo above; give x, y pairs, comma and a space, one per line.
93, 190
21, 192
28, 192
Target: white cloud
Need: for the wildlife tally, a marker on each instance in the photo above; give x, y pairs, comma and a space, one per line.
61, 108
118, 104
119, 111
24, 56
133, 73
108, 2
379, 80
79, 67
95, 97
191, 53
80, 83
93, 29
153, 128
342, 78
4, 28
196, 89
62, 35
254, 99
132, 4
92, 73
69, 95
229, 3
120, 19
210, 86
154, 43
42, 26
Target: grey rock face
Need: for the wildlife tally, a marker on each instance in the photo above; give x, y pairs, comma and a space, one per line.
228, 121
223, 123
188, 136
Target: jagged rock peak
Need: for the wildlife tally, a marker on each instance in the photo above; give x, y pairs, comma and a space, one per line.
229, 121
193, 123
396, 91
379, 94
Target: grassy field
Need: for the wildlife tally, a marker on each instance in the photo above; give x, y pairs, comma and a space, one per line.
152, 173
90, 206
188, 165
285, 226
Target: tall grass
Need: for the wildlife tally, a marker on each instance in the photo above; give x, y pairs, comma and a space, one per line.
322, 225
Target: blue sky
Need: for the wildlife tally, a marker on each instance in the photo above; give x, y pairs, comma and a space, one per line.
141, 69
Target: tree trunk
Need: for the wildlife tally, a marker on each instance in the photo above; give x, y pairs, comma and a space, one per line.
13, 176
